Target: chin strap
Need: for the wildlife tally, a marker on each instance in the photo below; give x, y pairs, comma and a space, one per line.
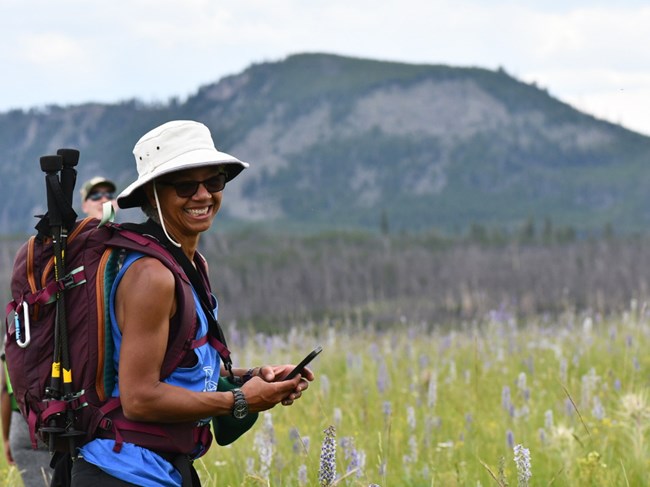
160, 216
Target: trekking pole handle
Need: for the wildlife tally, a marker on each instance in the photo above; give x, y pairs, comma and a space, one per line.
51, 164
68, 173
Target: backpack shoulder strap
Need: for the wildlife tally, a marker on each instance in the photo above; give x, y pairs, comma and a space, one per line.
198, 279
182, 335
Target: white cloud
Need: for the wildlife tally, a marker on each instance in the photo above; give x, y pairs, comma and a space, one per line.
586, 52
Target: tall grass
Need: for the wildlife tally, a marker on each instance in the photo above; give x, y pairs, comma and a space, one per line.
422, 405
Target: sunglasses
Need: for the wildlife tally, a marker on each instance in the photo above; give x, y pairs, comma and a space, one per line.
99, 195
187, 189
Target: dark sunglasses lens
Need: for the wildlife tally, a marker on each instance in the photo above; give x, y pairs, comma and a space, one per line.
186, 189
99, 196
215, 184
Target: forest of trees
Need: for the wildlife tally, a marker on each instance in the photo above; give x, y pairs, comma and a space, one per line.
269, 280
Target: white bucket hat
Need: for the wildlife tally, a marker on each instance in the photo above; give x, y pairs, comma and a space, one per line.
174, 146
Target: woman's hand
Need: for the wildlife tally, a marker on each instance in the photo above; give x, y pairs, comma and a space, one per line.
270, 386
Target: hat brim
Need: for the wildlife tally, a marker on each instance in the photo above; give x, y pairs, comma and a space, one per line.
133, 196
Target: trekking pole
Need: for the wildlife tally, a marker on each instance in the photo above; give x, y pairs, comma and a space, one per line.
51, 165
68, 217
68, 180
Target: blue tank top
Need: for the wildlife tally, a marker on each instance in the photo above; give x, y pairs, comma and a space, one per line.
135, 464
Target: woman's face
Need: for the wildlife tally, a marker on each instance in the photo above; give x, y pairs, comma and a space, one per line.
187, 216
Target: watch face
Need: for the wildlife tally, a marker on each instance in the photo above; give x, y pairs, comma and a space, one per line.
240, 408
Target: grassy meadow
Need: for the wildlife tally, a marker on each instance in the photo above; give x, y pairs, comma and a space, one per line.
422, 405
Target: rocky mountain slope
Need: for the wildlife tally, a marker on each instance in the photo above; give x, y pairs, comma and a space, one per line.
343, 142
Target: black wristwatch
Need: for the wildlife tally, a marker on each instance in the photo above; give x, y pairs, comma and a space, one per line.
240, 408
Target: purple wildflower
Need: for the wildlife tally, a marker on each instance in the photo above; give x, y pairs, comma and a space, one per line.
382, 377
354, 458
617, 384
548, 419
302, 475
388, 409
432, 393
327, 470
338, 416
598, 410
263, 443
522, 460
410, 417
505, 398
510, 439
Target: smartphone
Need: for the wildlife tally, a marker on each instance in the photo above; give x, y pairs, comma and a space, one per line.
301, 366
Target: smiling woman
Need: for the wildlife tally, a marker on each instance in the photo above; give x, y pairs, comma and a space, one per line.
181, 177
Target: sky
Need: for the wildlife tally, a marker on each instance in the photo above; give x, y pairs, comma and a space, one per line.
592, 54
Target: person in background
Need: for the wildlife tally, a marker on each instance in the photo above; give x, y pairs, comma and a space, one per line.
94, 193
33, 465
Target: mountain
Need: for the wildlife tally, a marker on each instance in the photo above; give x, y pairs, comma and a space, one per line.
356, 143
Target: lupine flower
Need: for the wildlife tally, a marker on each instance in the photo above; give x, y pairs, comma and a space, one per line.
388, 409
548, 419
294, 434
542, 436
510, 439
522, 460
375, 352
302, 474
432, 393
612, 333
250, 465
423, 361
305, 442
263, 443
410, 417
382, 377
413, 447
568, 407
354, 458
354, 361
531, 365
505, 398
598, 410
589, 385
327, 470
338, 416
521, 381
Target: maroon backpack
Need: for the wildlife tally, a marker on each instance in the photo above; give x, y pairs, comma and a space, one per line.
92, 258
